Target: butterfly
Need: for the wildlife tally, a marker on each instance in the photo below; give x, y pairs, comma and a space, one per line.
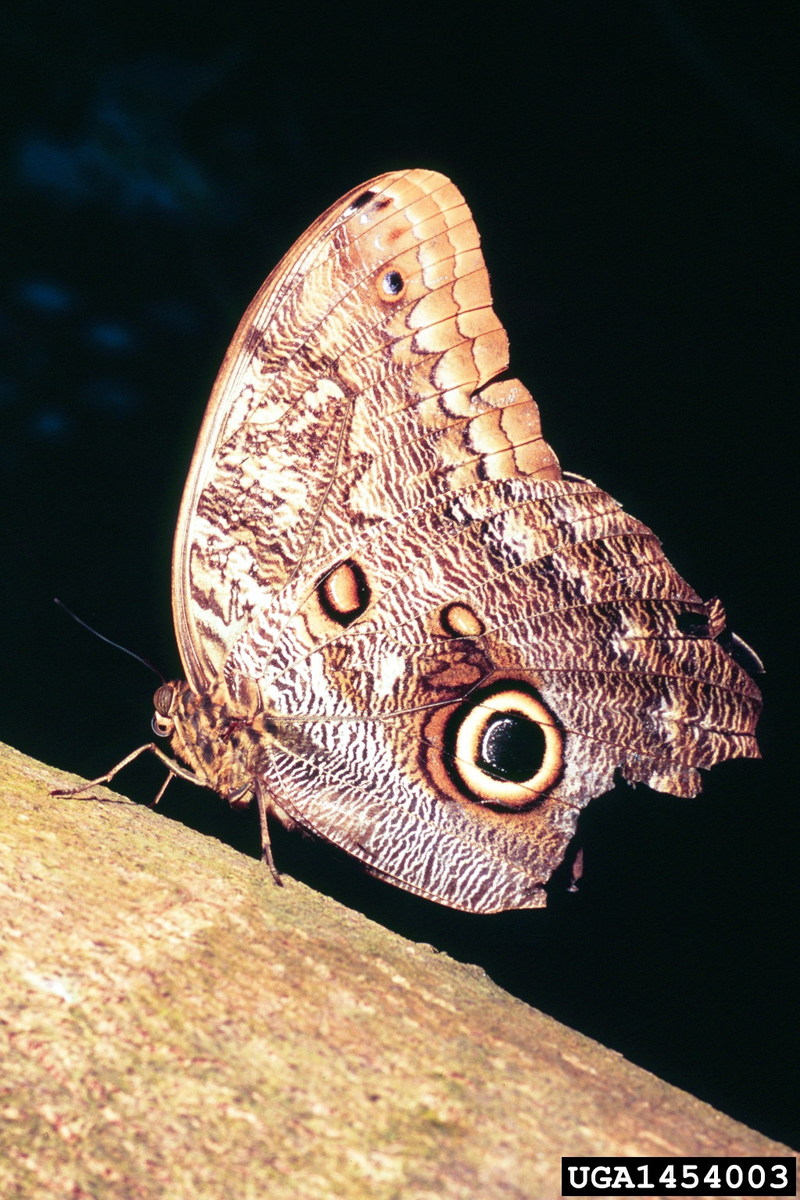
403, 627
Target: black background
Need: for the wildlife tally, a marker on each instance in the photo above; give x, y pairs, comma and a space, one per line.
632, 168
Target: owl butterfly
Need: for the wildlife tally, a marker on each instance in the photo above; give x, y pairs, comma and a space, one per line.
403, 627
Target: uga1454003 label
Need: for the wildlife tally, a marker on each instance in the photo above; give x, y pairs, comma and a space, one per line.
678, 1177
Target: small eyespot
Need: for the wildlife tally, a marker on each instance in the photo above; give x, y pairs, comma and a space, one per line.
503, 747
344, 593
393, 284
358, 203
459, 620
164, 699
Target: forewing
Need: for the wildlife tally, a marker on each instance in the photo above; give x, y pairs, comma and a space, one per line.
351, 392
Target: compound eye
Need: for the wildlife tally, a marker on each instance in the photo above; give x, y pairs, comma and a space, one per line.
504, 747
164, 699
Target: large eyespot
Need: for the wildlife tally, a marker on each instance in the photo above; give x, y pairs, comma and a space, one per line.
344, 593
502, 746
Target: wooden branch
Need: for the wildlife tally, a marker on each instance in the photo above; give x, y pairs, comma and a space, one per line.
177, 1026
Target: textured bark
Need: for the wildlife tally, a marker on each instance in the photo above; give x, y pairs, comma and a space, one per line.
176, 1026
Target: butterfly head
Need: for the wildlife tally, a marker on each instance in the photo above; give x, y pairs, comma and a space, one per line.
164, 702
219, 743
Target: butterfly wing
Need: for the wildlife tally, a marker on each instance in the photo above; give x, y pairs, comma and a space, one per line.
455, 646
374, 331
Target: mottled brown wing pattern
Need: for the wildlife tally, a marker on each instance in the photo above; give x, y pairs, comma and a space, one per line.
402, 627
351, 384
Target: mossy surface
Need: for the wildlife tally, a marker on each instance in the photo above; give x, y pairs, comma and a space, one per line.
176, 1026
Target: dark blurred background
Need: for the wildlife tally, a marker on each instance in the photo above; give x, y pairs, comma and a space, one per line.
632, 167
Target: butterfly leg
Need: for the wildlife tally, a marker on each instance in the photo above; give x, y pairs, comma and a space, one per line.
266, 846
173, 767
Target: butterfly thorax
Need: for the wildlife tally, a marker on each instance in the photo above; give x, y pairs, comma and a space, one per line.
222, 743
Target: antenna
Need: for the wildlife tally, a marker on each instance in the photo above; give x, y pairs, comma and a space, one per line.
145, 662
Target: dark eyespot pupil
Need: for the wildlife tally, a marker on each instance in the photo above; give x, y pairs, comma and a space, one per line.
393, 282
512, 747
